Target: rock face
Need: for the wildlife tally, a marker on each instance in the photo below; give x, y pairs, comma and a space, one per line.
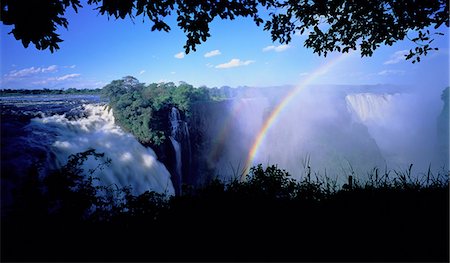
222, 133
206, 124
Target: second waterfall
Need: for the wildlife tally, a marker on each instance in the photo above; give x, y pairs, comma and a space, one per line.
180, 140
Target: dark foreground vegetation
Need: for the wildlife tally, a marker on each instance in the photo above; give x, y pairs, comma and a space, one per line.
267, 217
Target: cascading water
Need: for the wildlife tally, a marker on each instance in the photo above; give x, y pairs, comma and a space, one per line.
369, 107
179, 135
131, 163
188, 137
177, 149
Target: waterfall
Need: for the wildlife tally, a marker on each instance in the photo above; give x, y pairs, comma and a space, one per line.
186, 130
174, 118
177, 147
179, 136
369, 107
131, 163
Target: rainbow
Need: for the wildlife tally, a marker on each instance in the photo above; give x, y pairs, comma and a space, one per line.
283, 104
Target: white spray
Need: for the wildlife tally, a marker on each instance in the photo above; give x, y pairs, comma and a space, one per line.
179, 131
131, 165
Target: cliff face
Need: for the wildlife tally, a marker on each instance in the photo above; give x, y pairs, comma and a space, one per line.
204, 121
222, 133
198, 165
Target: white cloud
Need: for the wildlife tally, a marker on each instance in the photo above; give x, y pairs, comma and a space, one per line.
44, 77
179, 55
391, 72
279, 48
212, 53
72, 66
50, 69
55, 80
235, 62
304, 74
142, 72
68, 76
26, 72
23, 72
397, 57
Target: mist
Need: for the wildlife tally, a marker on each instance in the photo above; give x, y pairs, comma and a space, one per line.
336, 130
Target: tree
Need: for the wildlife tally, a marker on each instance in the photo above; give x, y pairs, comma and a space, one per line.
343, 25
143, 109
334, 25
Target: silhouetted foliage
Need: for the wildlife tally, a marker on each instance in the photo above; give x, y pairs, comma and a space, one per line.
37, 21
70, 191
365, 25
269, 216
335, 25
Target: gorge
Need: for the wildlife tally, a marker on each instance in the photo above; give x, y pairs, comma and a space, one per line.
188, 137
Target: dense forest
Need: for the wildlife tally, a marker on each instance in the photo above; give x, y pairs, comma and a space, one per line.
141, 109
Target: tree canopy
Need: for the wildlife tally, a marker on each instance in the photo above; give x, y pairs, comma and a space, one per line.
142, 109
333, 25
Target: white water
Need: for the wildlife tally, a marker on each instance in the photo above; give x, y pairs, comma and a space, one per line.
177, 147
369, 107
132, 164
175, 120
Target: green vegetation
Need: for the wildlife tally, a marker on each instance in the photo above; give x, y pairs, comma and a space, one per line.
143, 109
70, 91
270, 216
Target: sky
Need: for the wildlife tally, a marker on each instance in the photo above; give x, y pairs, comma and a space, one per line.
97, 50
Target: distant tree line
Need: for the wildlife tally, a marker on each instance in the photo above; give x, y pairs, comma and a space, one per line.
18, 92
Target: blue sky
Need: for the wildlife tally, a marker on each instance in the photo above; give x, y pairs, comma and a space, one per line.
96, 51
